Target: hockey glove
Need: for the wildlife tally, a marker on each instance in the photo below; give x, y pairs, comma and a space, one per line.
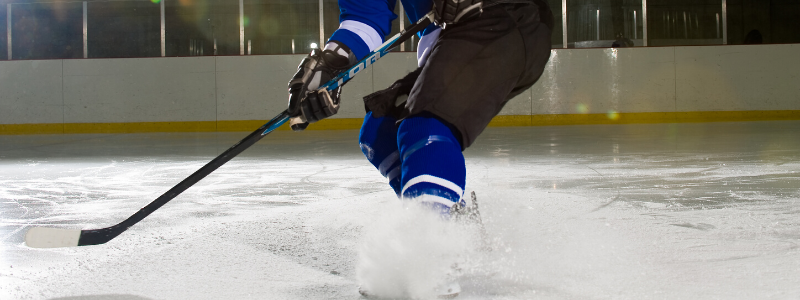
306, 104
454, 11
391, 101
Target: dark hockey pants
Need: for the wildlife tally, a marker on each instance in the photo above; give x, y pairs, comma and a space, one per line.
473, 70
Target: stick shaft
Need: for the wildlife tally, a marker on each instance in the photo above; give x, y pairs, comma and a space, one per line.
100, 236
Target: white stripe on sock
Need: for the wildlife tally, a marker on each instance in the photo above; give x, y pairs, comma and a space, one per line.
432, 199
369, 35
393, 173
435, 180
388, 162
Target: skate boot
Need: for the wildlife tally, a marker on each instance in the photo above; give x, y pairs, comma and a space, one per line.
467, 213
470, 216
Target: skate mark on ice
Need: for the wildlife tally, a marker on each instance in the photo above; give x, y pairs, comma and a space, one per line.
698, 226
612, 200
104, 297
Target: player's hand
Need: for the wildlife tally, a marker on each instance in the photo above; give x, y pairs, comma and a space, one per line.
392, 100
454, 11
306, 104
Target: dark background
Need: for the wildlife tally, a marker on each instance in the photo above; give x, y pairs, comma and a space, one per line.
54, 29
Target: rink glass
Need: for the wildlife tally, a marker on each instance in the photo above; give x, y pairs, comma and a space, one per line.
47, 29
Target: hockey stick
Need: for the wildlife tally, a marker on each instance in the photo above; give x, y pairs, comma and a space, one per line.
46, 237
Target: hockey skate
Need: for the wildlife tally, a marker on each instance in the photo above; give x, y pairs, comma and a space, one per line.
470, 216
468, 213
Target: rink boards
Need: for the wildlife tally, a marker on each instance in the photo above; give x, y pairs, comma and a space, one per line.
232, 93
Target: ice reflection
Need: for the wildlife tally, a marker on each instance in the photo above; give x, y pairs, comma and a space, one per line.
552, 92
614, 73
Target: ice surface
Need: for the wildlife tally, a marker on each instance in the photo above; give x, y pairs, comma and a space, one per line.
663, 211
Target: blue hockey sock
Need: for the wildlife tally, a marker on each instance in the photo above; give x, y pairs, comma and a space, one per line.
378, 141
433, 168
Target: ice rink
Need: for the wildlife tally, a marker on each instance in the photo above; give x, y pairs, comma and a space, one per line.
645, 211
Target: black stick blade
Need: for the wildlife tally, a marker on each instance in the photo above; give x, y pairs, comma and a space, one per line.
45, 237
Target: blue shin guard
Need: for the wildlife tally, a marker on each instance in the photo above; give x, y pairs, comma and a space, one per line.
421, 158
378, 141
433, 168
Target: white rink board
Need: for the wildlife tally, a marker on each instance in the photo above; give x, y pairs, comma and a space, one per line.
746, 77
31, 92
139, 90
601, 80
628, 80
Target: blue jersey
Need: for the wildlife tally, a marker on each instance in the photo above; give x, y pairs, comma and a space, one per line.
364, 24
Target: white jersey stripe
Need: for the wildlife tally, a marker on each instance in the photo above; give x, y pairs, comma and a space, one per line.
435, 180
369, 35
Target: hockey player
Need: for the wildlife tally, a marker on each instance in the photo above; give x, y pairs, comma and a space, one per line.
477, 56
481, 55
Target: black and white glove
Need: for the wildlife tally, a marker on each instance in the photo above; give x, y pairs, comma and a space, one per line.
454, 11
306, 104
392, 100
